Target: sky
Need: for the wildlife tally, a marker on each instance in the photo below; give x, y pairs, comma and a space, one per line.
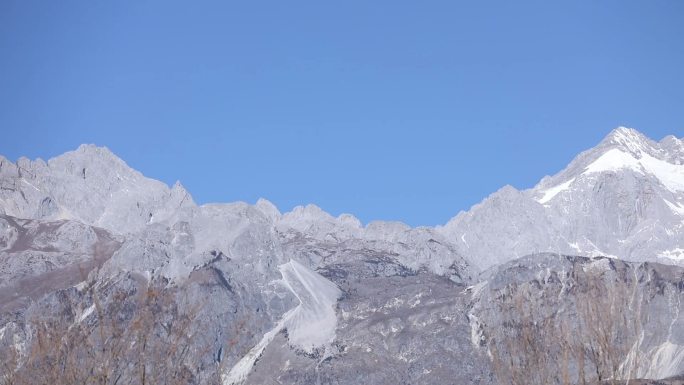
393, 110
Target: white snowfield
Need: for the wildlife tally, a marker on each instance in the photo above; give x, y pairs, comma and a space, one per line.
670, 175
313, 322
551, 192
310, 325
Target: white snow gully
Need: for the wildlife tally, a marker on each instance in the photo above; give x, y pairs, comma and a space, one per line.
310, 325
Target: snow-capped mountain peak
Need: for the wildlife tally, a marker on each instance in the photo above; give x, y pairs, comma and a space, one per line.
627, 139
624, 197
622, 150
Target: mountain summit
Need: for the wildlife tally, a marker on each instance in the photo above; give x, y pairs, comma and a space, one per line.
91, 185
624, 197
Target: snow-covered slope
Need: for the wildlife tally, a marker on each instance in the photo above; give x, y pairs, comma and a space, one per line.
310, 325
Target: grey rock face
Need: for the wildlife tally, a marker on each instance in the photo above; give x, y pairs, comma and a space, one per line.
579, 314
40, 257
91, 185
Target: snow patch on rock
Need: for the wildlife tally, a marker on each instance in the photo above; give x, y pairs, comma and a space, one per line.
669, 175
665, 361
676, 254
314, 322
310, 325
551, 192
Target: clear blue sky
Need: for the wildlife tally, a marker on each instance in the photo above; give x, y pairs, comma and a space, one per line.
396, 110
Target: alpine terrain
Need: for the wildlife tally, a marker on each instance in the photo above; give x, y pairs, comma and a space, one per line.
109, 277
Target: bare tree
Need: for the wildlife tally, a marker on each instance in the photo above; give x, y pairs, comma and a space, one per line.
545, 339
609, 322
137, 338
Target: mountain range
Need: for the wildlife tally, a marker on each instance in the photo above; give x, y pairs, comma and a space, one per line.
306, 297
